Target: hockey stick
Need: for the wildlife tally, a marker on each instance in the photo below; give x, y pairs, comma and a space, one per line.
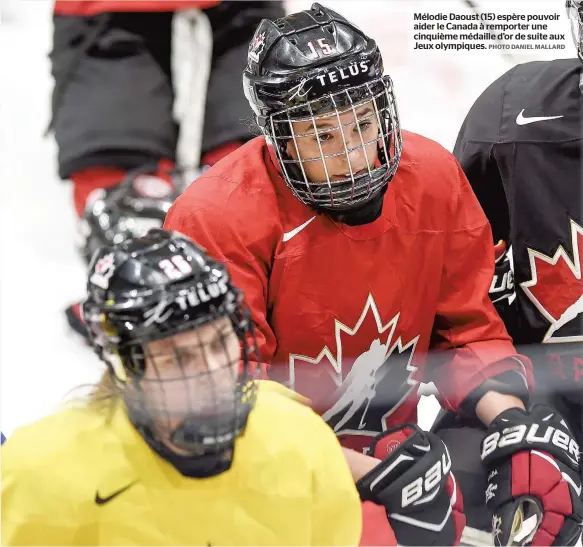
192, 43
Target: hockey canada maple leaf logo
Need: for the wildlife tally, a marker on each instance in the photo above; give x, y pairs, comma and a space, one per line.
256, 47
556, 287
364, 390
103, 271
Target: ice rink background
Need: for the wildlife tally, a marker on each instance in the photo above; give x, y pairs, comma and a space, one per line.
40, 272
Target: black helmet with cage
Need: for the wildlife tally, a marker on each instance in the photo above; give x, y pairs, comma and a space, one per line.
312, 65
189, 400
575, 14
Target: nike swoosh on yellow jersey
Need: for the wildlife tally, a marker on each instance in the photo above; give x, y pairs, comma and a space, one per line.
102, 501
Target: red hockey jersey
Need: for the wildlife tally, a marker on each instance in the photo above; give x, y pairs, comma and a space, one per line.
346, 314
94, 7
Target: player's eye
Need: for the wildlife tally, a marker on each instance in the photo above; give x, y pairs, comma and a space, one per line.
186, 357
324, 137
365, 126
218, 344
165, 361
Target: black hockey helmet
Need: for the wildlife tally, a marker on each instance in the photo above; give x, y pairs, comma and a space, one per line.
153, 288
575, 14
315, 64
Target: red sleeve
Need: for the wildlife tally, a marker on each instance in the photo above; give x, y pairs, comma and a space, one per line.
376, 529
234, 240
94, 7
466, 321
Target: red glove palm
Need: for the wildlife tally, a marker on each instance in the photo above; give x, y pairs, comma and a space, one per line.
376, 530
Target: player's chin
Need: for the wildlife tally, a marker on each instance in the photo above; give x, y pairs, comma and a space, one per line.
195, 451
339, 178
347, 177
177, 450
165, 436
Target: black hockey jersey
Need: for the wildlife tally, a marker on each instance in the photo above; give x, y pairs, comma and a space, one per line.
520, 147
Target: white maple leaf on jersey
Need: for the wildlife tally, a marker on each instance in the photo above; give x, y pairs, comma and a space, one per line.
357, 390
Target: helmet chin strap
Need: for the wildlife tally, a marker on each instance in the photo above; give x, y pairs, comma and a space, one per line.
199, 466
365, 214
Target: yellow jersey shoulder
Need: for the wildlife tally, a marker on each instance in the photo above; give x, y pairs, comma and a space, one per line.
289, 484
56, 442
276, 403
282, 423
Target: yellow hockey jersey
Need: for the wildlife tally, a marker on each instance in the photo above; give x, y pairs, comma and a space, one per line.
79, 477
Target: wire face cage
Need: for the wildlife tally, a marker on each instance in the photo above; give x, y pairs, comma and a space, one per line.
339, 150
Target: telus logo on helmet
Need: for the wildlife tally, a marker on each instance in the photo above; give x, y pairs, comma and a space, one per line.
201, 295
343, 73
193, 298
329, 79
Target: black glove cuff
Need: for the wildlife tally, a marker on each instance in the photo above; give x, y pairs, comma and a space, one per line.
511, 382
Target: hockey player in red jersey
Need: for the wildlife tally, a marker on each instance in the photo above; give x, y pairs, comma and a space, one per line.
116, 66
359, 247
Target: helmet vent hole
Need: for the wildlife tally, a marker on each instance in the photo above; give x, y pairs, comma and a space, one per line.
317, 11
329, 29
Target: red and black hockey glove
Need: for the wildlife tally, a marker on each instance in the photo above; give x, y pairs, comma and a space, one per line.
502, 286
502, 291
415, 485
534, 480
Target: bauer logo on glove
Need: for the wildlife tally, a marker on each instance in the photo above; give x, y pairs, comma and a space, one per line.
415, 485
534, 481
534, 434
424, 489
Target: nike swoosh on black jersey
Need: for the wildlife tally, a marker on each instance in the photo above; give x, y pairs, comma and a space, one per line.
102, 501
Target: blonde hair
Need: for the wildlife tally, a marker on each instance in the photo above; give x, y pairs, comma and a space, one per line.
105, 390
102, 396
